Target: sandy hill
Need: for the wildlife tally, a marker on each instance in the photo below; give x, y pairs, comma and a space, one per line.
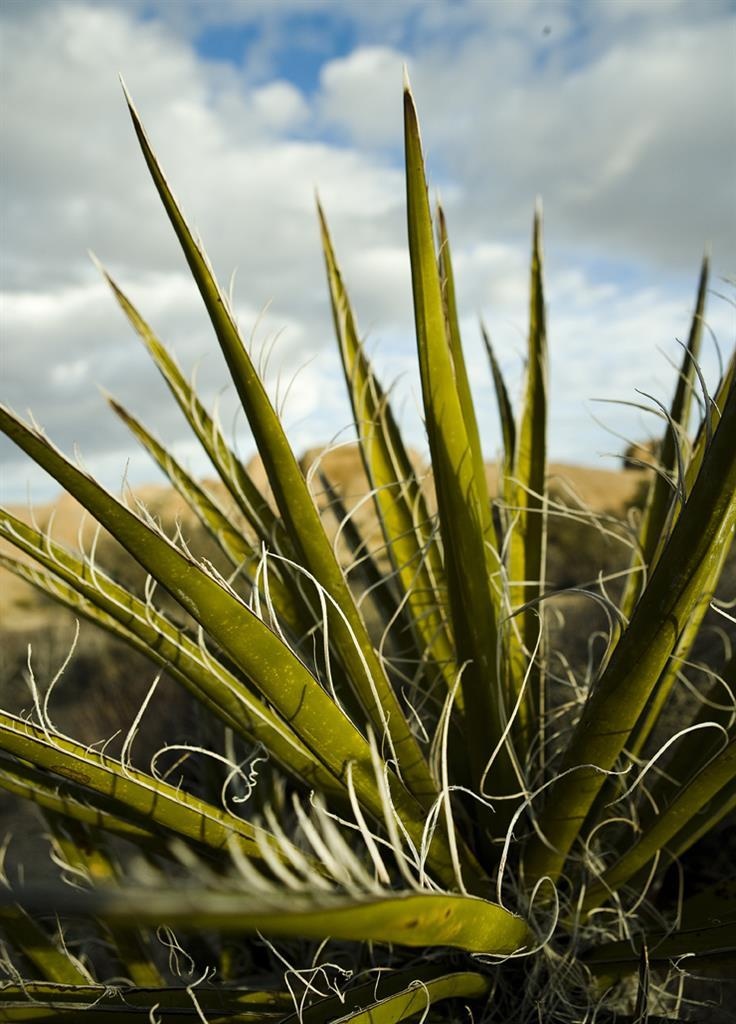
599, 489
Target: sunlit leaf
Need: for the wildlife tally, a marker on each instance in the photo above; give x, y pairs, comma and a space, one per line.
463, 517
348, 634
406, 919
673, 448
704, 527
400, 503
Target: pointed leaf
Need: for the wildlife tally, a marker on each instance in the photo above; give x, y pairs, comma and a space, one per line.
462, 383
712, 783
617, 699
363, 565
348, 634
658, 700
696, 748
398, 497
87, 590
463, 517
505, 411
698, 826
63, 797
140, 796
84, 850
407, 919
379, 989
238, 549
258, 652
48, 957
239, 484
653, 525
42, 1002
713, 946
528, 505
417, 998
709, 422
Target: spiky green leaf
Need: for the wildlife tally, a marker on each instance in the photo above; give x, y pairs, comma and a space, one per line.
695, 545
463, 516
262, 656
418, 998
527, 512
139, 796
45, 1003
401, 918
673, 452
89, 591
349, 636
400, 503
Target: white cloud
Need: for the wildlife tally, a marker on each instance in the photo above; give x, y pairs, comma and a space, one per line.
359, 94
633, 148
620, 117
280, 105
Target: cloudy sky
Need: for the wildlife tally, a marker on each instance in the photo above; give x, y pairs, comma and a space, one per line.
621, 114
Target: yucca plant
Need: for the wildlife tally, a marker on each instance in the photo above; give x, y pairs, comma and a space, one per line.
445, 825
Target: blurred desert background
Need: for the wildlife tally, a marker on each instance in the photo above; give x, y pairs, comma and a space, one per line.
103, 684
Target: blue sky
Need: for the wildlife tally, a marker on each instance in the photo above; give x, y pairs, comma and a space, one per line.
620, 114
311, 39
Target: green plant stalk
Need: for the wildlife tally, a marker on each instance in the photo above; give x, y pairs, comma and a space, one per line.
708, 784
52, 963
400, 504
84, 850
401, 918
239, 551
528, 512
252, 504
617, 699
462, 518
349, 636
115, 609
660, 497
650, 716
255, 649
